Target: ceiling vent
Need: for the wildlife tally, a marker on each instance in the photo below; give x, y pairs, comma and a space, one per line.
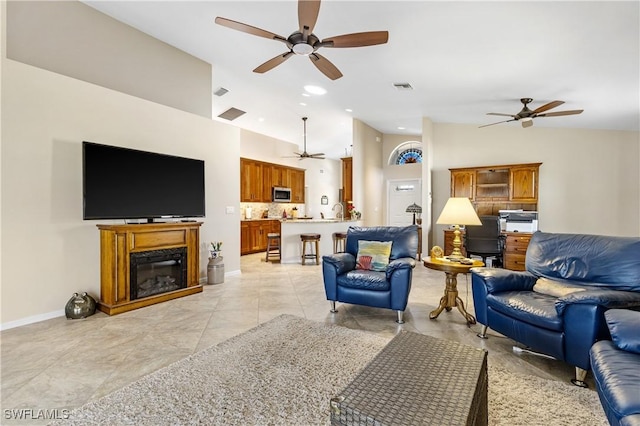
402, 86
220, 91
231, 114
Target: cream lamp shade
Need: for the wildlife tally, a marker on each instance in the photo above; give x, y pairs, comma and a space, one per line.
458, 211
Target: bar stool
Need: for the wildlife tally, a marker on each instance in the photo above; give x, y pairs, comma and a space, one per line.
310, 239
339, 242
273, 246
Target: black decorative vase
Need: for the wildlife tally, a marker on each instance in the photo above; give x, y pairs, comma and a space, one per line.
80, 306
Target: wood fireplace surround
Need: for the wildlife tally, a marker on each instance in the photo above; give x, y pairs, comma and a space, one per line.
118, 242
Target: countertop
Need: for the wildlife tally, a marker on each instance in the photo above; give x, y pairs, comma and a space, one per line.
300, 220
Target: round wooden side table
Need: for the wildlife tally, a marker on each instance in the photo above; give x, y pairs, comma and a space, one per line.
450, 299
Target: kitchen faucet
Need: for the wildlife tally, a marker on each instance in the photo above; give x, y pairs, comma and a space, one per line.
341, 214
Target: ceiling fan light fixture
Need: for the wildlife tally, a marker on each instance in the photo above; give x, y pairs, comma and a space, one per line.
303, 49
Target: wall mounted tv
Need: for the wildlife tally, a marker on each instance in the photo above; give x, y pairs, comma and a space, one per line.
123, 183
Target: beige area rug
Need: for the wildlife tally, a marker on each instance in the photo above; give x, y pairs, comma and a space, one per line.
285, 371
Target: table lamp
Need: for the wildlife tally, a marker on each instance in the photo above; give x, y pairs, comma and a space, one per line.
414, 208
458, 211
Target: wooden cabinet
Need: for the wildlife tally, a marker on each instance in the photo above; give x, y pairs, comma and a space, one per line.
462, 183
280, 176
347, 179
251, 188
494, 188
524, 184
515, 250
297, 185
253, 234
257, 179
448, 242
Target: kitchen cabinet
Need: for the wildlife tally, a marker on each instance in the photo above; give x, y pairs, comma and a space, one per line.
253, 234
280, 176
495, 188
257, 178
251, 189
347, 179
297, 185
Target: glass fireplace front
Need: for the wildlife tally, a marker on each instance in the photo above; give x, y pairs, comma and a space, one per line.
158, 271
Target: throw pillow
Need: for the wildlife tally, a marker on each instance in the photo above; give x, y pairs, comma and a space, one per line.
555, 288
373, 255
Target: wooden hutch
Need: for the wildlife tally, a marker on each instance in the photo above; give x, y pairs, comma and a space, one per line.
494, 188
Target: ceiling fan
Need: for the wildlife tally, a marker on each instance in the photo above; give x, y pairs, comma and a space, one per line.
526, 115
304, 154
304, 42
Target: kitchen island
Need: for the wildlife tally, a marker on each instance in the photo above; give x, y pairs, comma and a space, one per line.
290, 230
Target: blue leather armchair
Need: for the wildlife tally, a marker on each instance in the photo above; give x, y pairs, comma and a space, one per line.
606, 272
616, 368
382, 289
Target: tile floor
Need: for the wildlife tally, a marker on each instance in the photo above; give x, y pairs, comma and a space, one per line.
62, 364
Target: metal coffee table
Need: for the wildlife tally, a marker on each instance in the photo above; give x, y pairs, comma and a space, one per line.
417, 380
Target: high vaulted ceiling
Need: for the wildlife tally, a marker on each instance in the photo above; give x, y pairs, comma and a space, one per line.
463, 59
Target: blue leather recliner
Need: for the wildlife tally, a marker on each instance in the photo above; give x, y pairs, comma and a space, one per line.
616, 368
588, 274
381, 289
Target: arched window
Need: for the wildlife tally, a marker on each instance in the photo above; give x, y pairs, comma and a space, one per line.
406, 153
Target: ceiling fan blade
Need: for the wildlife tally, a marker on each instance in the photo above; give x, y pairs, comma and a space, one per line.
548, 106
325, 66
501, 114
527, 123
317, 155
239, 26
273, 62
369, 38
559, 113
308, 14
492, 124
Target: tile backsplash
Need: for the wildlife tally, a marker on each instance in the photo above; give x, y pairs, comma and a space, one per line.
272, 209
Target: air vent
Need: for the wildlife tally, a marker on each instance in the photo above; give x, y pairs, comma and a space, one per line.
231, 114
220, 91
402, 86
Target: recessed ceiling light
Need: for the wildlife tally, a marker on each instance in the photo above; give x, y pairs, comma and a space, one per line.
306, 95
401, 128
315, 90
303, 104
261, 119
349, 110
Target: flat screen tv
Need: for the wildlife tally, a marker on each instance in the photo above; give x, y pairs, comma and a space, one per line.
123, 183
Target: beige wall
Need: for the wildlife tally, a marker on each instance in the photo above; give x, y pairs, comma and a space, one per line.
71, 38
589, 179
48, 251
368, 178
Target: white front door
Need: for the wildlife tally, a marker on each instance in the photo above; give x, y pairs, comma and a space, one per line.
401, 194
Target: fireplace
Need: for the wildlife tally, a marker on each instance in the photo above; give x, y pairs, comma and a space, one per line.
157, 271
164, 255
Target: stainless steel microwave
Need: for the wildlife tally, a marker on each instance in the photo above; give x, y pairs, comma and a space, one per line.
281, 195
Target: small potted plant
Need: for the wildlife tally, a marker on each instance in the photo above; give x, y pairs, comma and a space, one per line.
215, 250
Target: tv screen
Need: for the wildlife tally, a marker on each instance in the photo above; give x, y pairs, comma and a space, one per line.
123, 183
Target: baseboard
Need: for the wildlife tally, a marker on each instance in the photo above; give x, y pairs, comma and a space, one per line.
31, 319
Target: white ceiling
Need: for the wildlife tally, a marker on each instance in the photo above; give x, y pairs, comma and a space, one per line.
463, 59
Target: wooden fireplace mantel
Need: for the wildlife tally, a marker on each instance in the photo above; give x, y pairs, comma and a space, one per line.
117, 242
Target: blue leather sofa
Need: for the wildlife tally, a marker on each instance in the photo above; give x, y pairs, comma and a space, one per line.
588, 274
616, 368
381, 289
